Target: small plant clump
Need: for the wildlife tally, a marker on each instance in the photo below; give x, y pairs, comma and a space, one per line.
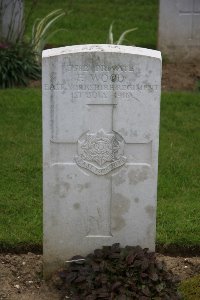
118, 273
20, 59
18, 65
42, 31
121, 38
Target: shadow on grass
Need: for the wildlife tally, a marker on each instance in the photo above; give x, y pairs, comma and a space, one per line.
170, 249
21, 248
178, 250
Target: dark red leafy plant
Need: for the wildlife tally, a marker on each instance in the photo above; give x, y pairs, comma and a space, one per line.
118, 273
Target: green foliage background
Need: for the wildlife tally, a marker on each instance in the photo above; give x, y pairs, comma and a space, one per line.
20, 121
88, 21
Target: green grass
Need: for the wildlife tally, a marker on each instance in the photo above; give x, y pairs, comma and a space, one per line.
89, 20
21, 176
190, 288
179, 175
20, 121
21, 168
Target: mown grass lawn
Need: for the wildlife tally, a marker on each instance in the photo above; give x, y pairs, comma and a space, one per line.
21, 173
89, 20
20, 122
179, 174
21, 168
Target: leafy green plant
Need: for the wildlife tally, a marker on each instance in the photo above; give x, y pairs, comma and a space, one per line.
18, 65
41, 30
118, 273
20, 61
121, 38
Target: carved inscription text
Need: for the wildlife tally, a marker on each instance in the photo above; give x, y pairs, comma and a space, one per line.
97, 81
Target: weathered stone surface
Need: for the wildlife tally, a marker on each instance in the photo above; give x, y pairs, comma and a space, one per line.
101, 107
179, 29
11, 19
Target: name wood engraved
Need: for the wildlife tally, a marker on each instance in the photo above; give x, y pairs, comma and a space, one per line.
100, 152
96, 81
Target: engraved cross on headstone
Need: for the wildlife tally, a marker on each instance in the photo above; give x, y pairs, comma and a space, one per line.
191, 10
99, 217
99, 220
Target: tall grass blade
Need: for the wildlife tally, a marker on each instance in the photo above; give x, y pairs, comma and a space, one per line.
122, 36
110, 34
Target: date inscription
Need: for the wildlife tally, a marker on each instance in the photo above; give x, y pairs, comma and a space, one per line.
98, 81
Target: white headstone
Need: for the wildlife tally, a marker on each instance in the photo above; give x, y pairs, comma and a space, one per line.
101, 106
11, 19
179, 29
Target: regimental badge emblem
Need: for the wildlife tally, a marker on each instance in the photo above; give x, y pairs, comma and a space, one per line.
100, 152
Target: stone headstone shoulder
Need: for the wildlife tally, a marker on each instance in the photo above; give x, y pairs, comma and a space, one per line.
101, 107
11, 20
179, 30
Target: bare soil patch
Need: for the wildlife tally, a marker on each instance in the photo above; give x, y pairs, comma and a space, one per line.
181, 77
21, 275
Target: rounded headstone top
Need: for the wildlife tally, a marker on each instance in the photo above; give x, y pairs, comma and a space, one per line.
102, 48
